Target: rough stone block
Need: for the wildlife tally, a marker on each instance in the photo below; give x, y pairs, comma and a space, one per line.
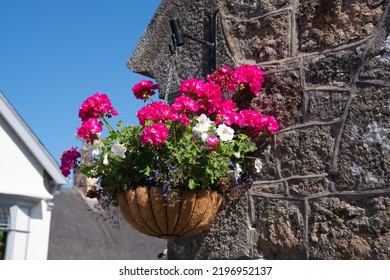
331, 23
269, 188
253, 8
306, 151
326, 105
269, 169
281, 98
306, 186
281, 228
354, 229
378, 66
333, 69
365, 146
228, 237
269, 44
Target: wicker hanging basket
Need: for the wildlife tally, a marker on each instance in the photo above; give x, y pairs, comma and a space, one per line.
146, 209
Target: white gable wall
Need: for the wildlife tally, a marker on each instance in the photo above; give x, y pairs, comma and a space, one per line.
22, 176
21, 173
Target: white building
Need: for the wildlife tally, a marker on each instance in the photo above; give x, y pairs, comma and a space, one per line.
28, 178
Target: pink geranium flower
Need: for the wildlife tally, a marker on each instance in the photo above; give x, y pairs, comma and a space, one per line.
69, 160
182, 118
270, 123
212, 141
224, 77
144, 89
191, 87
184, 104
249, 76
154, 134
89, 129
96, 106
155, 111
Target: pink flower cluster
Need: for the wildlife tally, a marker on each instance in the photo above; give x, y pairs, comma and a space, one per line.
144, 89
69, 159
206, 97
94, 107
155, 111
257, 123
225, 78
154, 134
249, 75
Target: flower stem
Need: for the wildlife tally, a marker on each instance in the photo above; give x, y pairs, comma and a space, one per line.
110, 129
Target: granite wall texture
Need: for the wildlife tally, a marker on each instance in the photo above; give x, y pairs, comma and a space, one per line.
324, 191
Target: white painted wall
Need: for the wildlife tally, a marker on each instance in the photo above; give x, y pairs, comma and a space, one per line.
22, 175
38, 246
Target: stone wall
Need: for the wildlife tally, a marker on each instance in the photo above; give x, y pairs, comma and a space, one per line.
324, 191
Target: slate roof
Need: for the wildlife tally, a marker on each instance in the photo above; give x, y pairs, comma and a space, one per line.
76, 233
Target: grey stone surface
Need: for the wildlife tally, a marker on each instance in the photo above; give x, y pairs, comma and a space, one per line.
324, 189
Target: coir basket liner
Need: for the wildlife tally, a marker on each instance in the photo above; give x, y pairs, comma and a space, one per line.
146, 209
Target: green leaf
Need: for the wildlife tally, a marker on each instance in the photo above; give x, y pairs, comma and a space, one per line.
192, 184
146, 170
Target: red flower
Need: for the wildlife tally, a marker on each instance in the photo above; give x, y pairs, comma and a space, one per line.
96, 106
249, 76
155, 111
224, 77
154, 134
69, 159
184, 104
144, 89
89, 129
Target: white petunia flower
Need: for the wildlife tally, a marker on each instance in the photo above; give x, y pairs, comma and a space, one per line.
119, 150
203, 125
204, 137
237, 171
95, 148
105, 160
224, 132
258, 165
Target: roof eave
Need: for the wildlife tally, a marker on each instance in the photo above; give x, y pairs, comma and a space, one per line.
31, 141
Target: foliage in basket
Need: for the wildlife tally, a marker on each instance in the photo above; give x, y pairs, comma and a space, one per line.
200, 141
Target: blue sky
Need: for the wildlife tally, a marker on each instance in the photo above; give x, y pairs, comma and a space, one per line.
54, 54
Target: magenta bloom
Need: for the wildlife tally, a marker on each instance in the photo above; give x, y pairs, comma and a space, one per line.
96, 106
182, 118
224, 78
252, 118
184, 104
69, 159
209, 98
144, 89
257, 123
249, 76
212, 141
155, 111
89, 129
154, 134
229, 118
270, 123
191, 87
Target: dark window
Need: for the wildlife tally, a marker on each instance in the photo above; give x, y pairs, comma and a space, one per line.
4, 226
4, 218
3, 239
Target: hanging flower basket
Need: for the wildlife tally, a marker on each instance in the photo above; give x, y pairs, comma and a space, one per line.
147, 210
197, 147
